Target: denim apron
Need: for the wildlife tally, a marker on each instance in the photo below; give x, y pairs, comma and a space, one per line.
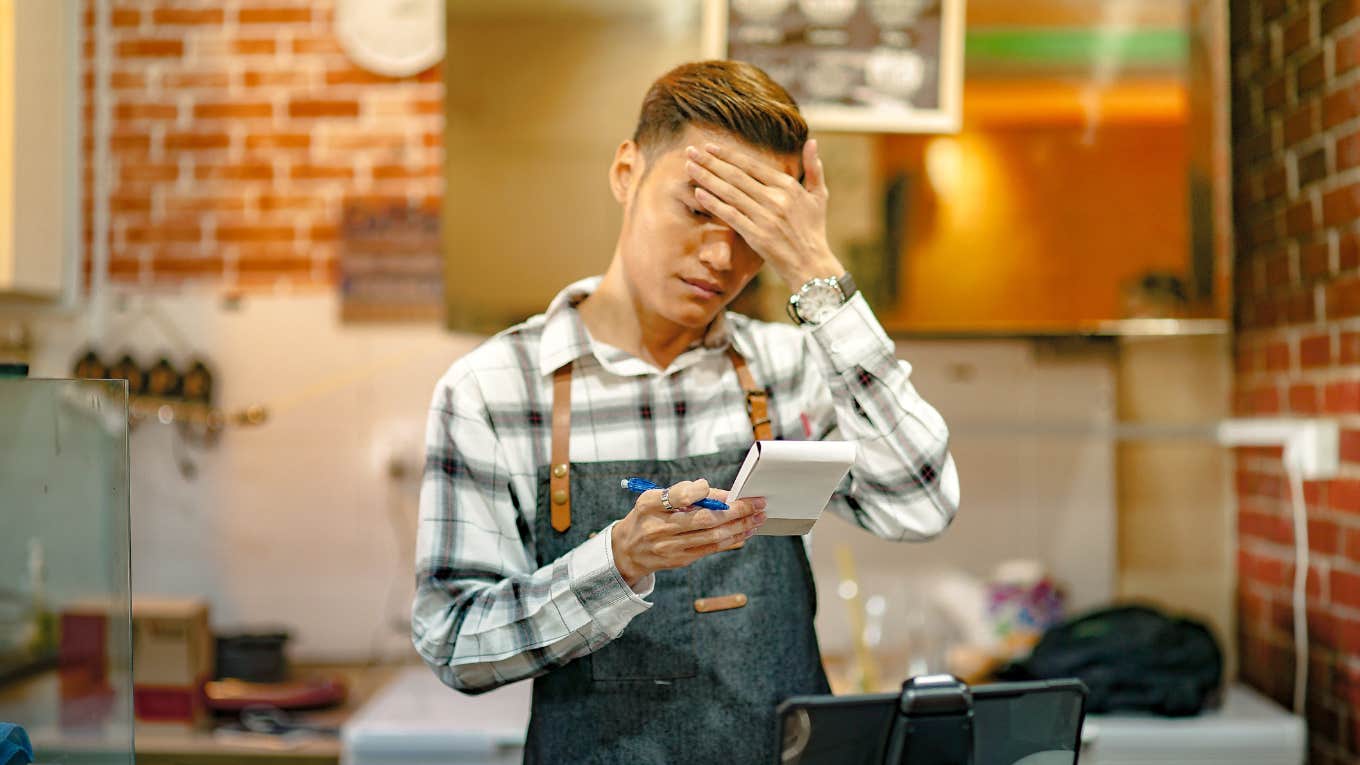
695, 678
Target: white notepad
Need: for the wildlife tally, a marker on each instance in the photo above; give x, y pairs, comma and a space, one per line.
796, 478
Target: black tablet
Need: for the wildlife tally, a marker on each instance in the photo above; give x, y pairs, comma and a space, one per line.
1030, 723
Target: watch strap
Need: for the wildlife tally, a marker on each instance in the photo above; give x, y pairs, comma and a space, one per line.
848, 286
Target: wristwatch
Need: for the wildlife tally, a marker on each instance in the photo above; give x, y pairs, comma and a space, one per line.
815, 301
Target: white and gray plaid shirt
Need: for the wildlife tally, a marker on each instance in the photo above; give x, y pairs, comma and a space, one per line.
485, 614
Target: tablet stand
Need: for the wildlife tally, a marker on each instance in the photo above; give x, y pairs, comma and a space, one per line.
933, 724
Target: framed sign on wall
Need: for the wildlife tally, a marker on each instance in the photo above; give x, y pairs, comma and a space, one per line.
882, 66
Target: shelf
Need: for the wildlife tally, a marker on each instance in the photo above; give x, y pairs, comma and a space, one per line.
1112, 329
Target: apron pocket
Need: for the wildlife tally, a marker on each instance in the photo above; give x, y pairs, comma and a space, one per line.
658, 644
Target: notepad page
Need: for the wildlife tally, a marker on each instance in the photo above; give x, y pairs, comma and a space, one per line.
796, 478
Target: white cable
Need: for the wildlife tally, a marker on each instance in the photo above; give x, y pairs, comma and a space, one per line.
1300, 587
1312, 451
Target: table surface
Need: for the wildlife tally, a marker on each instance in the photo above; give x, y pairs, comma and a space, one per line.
174, 745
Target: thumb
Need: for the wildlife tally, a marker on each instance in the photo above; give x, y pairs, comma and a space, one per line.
814, 175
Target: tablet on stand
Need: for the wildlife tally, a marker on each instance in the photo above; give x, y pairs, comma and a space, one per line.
937, 720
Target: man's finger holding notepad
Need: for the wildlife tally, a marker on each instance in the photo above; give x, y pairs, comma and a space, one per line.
653, 536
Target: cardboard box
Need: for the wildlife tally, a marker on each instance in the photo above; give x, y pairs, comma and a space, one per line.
172, 657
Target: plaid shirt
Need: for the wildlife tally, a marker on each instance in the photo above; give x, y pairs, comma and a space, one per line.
485, 614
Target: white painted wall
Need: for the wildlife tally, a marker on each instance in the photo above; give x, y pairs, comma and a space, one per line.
298, 523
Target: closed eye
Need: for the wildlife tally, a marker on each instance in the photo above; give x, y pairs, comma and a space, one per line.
685, 194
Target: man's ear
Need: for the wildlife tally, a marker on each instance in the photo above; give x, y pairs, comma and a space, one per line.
626, 171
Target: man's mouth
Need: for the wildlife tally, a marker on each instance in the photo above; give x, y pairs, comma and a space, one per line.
704, 286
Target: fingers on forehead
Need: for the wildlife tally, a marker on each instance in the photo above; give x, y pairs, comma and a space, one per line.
764, 167
760, 168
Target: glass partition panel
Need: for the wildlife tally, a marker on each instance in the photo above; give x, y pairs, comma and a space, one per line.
65, 636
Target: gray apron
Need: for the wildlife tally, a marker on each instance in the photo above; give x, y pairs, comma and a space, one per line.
695, 678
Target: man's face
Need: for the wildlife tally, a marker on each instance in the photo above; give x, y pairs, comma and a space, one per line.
683, 264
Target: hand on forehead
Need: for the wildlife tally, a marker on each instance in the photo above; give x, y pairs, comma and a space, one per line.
734, 148
757, 195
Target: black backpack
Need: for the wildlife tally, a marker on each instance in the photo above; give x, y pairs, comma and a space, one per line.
1131, 658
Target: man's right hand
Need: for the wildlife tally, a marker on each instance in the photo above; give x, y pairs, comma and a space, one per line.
651, 538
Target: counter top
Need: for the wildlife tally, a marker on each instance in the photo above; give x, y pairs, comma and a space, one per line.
416, 718
170, 745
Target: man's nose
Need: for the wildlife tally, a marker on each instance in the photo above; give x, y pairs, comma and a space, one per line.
716, 248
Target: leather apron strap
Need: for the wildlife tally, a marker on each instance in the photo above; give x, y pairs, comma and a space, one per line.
757, 410
560, 485
757, 400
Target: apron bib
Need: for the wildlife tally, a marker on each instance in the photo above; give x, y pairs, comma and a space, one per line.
697, 677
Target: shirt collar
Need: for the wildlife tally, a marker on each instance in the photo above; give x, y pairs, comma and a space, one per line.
565, 338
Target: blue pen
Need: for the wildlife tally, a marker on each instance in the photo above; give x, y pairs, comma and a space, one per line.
639, 485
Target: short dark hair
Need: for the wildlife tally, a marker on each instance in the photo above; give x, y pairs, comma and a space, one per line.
732, 96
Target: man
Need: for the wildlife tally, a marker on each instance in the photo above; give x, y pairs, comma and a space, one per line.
657, 632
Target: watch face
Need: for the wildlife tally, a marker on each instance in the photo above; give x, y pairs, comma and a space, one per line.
818, 303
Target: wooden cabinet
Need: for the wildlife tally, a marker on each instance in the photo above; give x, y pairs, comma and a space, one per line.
1088, 190
1037, 226
39, 156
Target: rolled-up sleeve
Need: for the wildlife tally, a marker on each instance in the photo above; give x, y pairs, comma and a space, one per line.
904, 484
484, 614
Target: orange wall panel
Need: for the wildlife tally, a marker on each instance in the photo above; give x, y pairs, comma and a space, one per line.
1035, 227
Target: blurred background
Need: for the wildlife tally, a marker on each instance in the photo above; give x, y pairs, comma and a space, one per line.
1098, 229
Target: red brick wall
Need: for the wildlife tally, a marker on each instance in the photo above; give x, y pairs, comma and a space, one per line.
239, 132
1296, 162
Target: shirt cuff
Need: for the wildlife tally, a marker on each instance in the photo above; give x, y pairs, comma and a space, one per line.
852, 337
600, 587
